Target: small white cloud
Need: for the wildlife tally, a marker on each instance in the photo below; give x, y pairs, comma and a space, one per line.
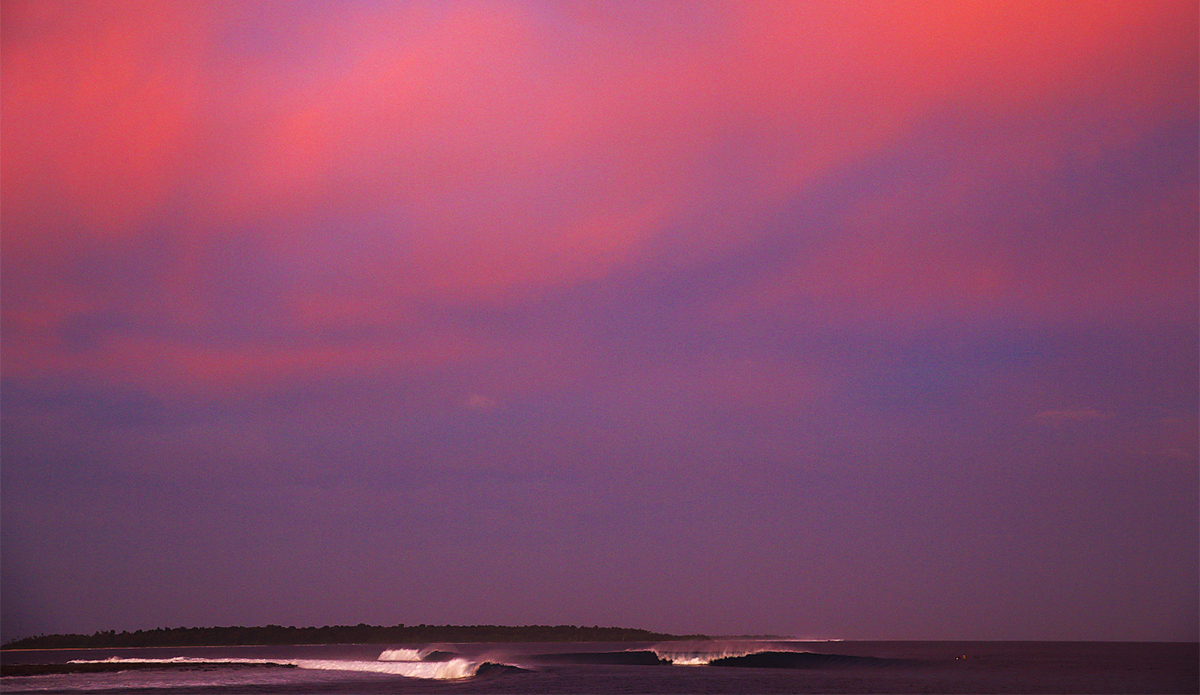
1058, 417
478, 402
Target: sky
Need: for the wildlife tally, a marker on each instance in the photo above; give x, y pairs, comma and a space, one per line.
876, 320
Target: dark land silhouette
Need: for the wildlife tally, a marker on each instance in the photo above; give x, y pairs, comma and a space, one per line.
339, 634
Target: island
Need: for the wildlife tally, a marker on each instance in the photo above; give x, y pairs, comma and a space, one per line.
340, 634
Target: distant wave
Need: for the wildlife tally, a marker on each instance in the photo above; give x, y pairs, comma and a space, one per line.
786, 659
686, 654
698, 657
760, 654
703, 653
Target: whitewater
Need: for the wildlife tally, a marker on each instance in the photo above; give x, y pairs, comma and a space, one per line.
398, 662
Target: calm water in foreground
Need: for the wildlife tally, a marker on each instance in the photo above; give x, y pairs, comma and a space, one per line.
734, 666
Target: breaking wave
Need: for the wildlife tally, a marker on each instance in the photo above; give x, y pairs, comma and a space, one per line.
450, 669
813, 660
704, 653
760, 654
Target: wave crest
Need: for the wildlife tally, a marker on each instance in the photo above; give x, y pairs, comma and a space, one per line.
402, 655
700, 658
703, 653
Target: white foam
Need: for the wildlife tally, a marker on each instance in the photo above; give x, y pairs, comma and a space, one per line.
700, 658
703, 653
402, 655
435, 670
178, 660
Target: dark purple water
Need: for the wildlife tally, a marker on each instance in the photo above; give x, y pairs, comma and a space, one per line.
709, 667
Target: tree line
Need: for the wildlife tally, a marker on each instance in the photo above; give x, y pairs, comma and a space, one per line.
339, 634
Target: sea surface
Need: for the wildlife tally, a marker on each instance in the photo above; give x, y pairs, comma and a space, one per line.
719, 666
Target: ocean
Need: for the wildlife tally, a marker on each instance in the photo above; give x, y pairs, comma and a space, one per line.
733, 666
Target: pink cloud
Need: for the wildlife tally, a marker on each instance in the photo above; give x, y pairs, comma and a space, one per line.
103, 103
495, 158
